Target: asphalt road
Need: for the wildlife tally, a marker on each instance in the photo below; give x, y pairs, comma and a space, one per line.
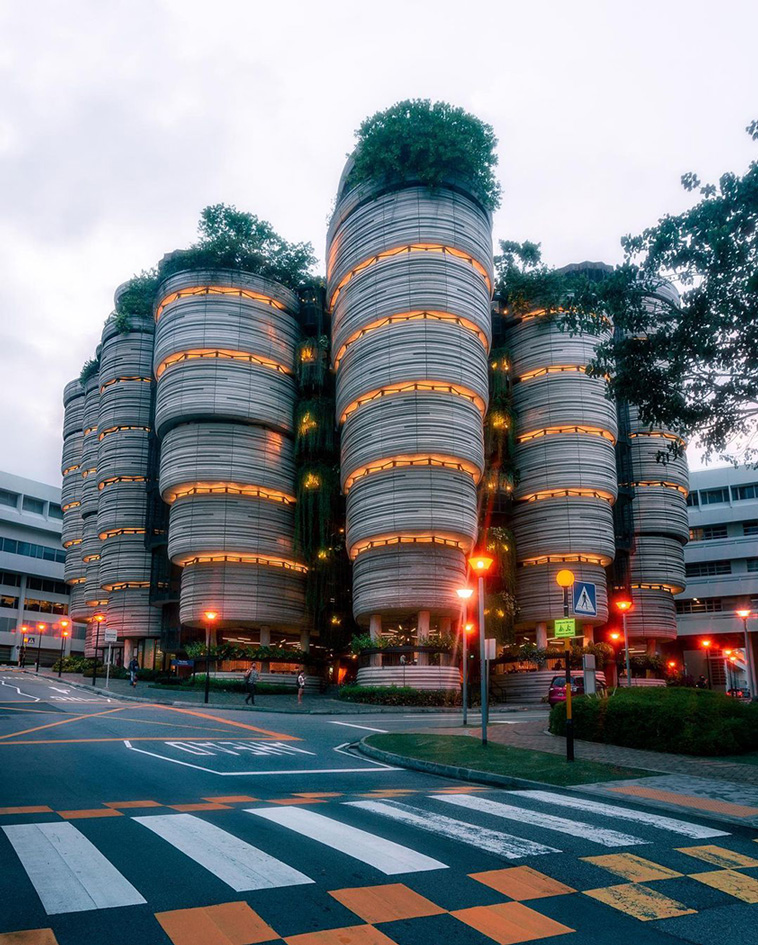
128, 823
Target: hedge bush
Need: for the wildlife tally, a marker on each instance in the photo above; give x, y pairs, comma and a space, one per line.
224, 685
399, 695
678, 720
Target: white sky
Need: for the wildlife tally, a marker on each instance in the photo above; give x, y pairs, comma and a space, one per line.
121, 120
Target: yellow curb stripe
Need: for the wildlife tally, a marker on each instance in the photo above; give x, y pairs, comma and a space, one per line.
730, 882
633, 868
640, 902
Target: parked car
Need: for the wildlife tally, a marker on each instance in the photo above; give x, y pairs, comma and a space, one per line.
557, 689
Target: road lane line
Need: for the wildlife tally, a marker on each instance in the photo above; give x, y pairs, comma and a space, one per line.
69, 873
501, 844
340, 749
75, 718
240, 865
384, 855
215, 718
27, 694
366, 728
695, 831
576, 828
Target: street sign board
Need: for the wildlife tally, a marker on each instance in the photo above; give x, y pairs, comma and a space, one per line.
585, 599
565, 627
111, 636
182, 662
490, 648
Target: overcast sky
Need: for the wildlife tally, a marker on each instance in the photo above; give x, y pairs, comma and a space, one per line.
120, 120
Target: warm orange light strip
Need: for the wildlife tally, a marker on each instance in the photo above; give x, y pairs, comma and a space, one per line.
548, 431
411, 248
192, 291
70, 505
571, 493
221, 354
90, 430
559, 559
409, 386
553, 369
124, 585
540, 312
671, 588
266, 560
79, 580
109, 482
119, 429
410, 317
368, 544
112, 532
72, 541
70, 469
661, 434
226, 488
87, 558
416, 459
121, 380
661, 483
87, 472
95, 603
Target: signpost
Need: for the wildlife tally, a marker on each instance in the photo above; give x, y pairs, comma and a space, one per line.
565, 628
111, 637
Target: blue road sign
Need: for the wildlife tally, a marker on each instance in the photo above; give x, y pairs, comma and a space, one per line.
585, 599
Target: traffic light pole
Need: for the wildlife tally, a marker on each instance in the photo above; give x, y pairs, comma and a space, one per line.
569, 707
465, 674
482, 660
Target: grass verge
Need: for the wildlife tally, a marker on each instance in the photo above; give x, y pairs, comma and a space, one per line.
463, 751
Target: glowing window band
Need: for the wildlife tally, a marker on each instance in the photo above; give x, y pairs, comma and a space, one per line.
114, 479
661, 435
113, 532
72, 541
671, 588
541, 312
226, 488
123, 380
70, 505
406, 387
70, 469
660, 483
220, 354
95, 603
121, 429
368, 544
79, 580
408, 249
421, 459
410, 317
87, 472
194, 291
602, 560
553, 369
223, 557
124, 585
570, 493
548, 431
90, 430
88, 558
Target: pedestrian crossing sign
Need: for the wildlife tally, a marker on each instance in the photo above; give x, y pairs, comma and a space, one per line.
585, 599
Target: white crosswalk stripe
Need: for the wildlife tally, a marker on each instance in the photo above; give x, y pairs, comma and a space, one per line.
68, 872
576, 828
236, 863
384, 855
493, 841
684, 827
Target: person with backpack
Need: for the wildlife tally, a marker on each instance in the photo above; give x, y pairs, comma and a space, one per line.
251, 678
133, 670
300, 686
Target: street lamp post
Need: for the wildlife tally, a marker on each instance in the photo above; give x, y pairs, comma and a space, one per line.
41, 627
727, 658
624, 605
64, 634
480, 565
745, 614
465, 594
22, 655
99, 618
565, 580
210, 616
706, 645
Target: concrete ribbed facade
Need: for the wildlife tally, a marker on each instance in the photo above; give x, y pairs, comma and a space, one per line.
224, 363
566, 431
72, 534
409, 278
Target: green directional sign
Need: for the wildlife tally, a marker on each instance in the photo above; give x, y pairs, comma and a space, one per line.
565, 627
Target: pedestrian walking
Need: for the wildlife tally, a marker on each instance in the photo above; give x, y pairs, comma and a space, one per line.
133, 670
251, 678
300, 686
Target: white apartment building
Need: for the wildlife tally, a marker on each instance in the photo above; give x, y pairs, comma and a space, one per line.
721, 563
32, 589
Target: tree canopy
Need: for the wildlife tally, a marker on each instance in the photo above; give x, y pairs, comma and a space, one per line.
429, 142
688, 359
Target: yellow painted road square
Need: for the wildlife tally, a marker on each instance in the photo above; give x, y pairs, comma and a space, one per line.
29, 937
640, 902
731, 882
522, 882
719, 856
510, 922
633, 868
233, 923
386, 903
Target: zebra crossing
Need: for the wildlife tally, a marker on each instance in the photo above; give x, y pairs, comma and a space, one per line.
70, 874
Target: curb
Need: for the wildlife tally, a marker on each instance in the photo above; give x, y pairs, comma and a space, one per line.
181, 703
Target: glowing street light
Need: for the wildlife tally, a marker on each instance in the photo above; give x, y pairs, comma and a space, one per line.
623, 605
99, 618
25, 639
465, 594
210, 616
745, 615
64, 624
706, 645
41, 627
565, 580
480, 563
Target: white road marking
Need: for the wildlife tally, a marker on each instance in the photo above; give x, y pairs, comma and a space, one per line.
27, 694
68, 872
576, 828
56, 689
687, 829
238, 774
493, 841
366, 728
238, 864
384, 855
340, 749
227, 747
